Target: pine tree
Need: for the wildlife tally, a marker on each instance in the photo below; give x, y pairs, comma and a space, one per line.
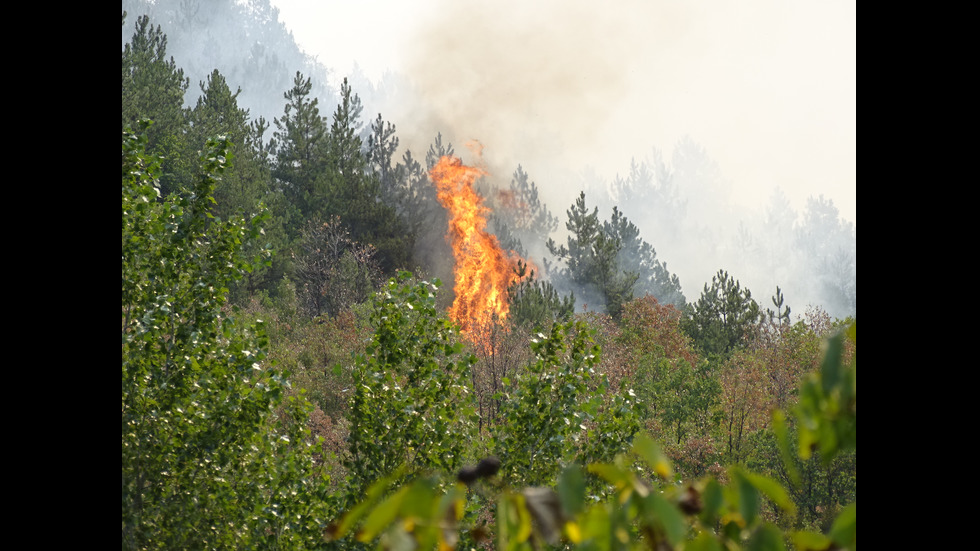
244, 189
217, 113
382, 145
299, 145
354, 192
590, 256
153, 88
721, 319
779, 316
638, 257
520, 220
537, 304
437, 151
607, 263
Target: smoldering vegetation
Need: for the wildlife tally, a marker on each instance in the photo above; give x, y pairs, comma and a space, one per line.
656, 110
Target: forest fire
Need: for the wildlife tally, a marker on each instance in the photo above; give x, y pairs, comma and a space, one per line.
482, 270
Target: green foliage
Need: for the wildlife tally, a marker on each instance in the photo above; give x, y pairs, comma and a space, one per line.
381, 147
590, 258
217, 113
826, 445
653, 330
151, 83
326, 173
747, 391
636, 256
354, 193
554, 404
153, 88
682, 397
779, 316
410, 406
613, 426
212, 455
541, 407
520, 220
637, 514
320, 354
535, 303
819, 488
334, 271
219, 451
606, 262
721, 319
645, 508
827, 409
245, 188
298, 145
418, 515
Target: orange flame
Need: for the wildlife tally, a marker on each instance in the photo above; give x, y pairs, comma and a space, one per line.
483, 270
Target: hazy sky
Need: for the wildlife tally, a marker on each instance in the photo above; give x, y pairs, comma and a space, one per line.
767, 87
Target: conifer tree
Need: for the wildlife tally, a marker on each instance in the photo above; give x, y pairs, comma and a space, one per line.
721, 318
245, 188
153, 88
217, 113
535, 303
381, 148
606, 263
299, 145
590, 255
638, 257
520, 220
354, 192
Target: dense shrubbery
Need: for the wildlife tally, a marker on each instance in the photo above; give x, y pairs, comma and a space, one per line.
220, 450
647, 505
215, 452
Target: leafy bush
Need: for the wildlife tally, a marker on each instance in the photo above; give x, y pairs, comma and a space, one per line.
206, 460
646, 509
411, 405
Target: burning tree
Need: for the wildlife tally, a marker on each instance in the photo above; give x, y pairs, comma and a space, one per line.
483, 270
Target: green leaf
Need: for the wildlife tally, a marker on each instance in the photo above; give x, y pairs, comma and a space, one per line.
785, 446
668, 516
513, 521
612, 474
844, 529
382, 515
810, 541
352, 517
596, 526
747, 495
766, 538
832, 368
571, 490
771, 489
649, 450
704, 541
712, 500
